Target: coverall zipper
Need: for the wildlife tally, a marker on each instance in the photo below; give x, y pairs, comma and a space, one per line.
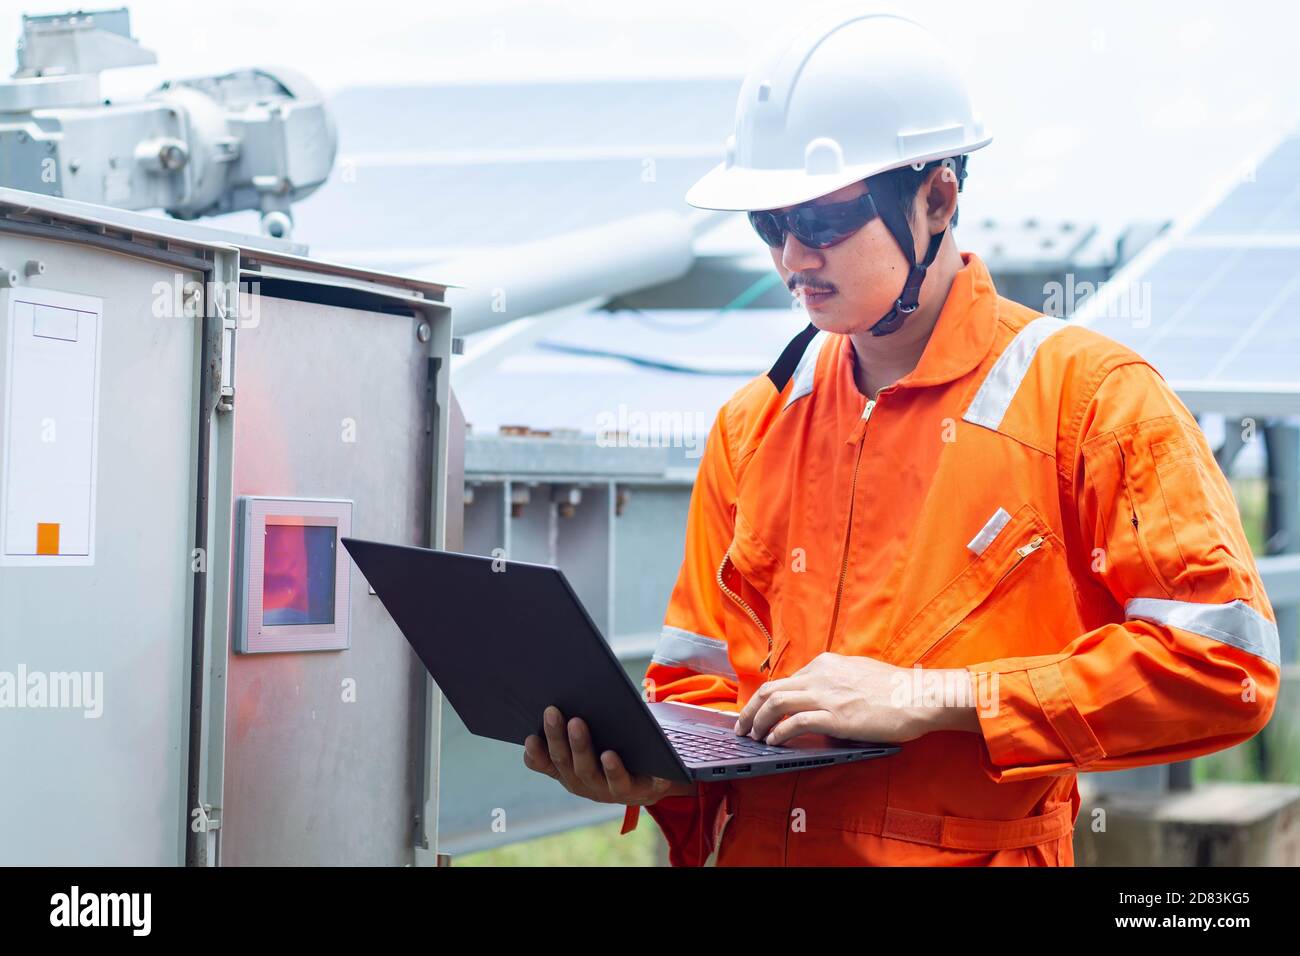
844, 563
848, 531
860, 431
748, 610
1147, 559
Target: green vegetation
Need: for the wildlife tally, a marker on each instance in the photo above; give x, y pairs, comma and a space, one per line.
1252, 502
1278, 747
600, 845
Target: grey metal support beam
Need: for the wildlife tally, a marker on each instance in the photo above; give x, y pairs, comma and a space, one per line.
1283, 516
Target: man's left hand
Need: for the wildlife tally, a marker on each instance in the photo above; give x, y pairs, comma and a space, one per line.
853, 698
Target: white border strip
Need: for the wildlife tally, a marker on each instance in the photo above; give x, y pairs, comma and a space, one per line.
992, 528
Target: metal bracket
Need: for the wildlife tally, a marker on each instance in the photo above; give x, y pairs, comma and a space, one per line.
223, 293
226, 402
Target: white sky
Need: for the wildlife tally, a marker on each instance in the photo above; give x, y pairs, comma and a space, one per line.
1113, 110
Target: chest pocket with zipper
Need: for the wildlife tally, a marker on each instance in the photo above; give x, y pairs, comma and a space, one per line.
1002, 604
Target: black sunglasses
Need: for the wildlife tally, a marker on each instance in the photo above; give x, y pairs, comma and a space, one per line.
817, 225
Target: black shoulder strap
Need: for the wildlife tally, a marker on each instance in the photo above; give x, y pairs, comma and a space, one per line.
780, 372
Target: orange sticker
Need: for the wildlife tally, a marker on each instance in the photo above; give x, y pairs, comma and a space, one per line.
47, 538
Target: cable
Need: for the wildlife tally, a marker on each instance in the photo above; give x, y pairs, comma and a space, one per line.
659, 364
747, 295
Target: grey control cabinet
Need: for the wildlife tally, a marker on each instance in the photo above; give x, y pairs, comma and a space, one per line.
153, 375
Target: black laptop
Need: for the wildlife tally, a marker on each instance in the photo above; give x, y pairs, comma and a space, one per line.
505, 639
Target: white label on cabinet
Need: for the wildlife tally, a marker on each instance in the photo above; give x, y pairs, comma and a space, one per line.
49, 404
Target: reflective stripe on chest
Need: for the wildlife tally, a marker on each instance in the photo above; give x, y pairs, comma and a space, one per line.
989, 406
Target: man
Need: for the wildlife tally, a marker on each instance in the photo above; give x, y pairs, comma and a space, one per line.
941, 520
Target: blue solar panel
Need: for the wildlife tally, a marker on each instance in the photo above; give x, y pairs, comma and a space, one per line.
1223, 303
1266, 202
552, 388
1224, 313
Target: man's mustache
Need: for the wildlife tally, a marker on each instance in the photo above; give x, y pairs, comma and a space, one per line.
797, 284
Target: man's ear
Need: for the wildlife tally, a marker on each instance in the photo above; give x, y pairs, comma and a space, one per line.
939, 194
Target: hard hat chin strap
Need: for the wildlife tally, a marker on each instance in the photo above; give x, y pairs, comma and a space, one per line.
896, 222
907, 302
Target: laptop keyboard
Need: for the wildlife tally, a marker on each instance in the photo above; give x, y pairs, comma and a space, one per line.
706, 748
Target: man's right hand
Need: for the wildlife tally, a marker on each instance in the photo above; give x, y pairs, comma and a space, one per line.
570, 759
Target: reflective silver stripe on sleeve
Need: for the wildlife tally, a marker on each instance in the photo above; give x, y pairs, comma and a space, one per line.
1004, 379
704, 655
990, 531
807, 368
1237, 623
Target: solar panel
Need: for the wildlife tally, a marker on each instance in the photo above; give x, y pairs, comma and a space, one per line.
427, 173
552, 386
1266, 201
1217, 301
422, 214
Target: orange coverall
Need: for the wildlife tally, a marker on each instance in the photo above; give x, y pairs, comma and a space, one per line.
1032, 503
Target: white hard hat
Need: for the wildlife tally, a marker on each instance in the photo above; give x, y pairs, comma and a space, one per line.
843, 99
